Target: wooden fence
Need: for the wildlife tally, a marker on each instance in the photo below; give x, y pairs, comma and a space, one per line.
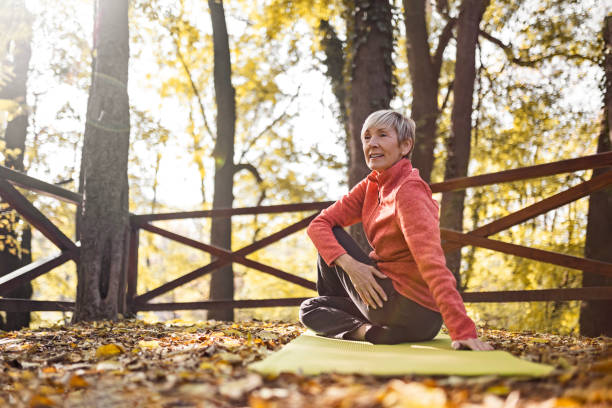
452, 240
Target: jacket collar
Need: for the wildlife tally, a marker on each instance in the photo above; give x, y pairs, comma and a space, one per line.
389, 177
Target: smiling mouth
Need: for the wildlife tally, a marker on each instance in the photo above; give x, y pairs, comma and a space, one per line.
375, 156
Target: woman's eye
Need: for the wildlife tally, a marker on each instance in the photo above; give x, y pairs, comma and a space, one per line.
383, 134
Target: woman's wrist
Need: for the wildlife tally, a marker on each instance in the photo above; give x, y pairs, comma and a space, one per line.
344, 261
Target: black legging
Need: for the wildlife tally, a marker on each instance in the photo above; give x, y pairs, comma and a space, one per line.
338, 310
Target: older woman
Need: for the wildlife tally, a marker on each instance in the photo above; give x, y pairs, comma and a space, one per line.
403, 290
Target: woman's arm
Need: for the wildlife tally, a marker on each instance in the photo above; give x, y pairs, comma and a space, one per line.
344, 212
417, 214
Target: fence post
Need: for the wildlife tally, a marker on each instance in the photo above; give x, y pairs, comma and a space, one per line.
132, 272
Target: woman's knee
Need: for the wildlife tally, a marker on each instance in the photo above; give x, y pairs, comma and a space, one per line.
306, 307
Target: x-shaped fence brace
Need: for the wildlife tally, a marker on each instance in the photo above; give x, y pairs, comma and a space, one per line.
452, 240
68, 250
224, 257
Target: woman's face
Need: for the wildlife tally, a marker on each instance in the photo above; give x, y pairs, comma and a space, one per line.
381, 148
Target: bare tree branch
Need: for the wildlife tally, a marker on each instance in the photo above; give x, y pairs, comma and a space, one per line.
446, 98
509, 51
258, 229
249, 167
445, 36
442, 7
192, 83
270, 126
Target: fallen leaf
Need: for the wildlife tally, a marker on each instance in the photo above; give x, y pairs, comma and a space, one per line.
565, 402
108, 350
109, 365
236, 388
151, 344
40, 401
499, 390
412, 395
76, 381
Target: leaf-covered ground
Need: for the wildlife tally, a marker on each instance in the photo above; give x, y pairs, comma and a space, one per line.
178, 364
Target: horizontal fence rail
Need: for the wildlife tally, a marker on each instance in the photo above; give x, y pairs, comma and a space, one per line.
594, 161
539, 295
38, 186
222, 304
228, 212
451, 240
27, 305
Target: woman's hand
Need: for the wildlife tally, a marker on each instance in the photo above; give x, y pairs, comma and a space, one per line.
471, 344
362, 277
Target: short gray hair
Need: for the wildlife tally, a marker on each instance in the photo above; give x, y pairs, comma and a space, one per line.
389, 118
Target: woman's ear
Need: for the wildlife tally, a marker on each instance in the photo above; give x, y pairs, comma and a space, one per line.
405, 146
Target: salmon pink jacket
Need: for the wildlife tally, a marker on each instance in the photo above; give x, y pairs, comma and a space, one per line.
400, 220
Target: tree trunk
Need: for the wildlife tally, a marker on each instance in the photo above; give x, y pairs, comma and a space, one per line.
335, 62
424, 77
461, 117
595, 316
104, 225
371, 84
222, 280
13, 255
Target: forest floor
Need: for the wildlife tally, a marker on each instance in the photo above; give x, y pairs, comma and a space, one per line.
204, 364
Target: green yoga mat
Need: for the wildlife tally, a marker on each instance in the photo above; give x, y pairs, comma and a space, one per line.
310, 354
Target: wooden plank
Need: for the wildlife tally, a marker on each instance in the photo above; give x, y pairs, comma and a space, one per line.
277, 236
228, 212
30, 183
132, 278
231, 256
27, 305
531, 211
587, 265
220, 304
541, 170
542, 295
31, 271
221, 262
36, 218
180, 281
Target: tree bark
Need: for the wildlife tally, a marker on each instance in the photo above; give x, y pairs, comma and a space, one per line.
335, 62
371, 84
222, 280
424, 77
104, 225
13, 255
595, 316
458, 148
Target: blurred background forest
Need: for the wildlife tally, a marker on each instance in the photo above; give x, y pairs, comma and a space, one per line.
537, 98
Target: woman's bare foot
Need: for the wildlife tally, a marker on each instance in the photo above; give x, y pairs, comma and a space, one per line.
359, 333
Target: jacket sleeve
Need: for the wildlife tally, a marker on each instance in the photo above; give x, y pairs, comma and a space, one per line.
344, 212
417, 213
